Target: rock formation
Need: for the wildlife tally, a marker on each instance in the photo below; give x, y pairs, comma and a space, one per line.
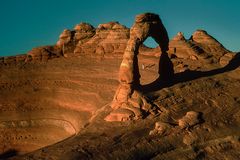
128, 95
200, 46
58, 96
182, 48
210, 45
190, 119
43, 53
69, 39
160, 128
226, 58
110, 38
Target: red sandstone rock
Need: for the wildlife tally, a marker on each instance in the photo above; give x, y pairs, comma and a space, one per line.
160, 128
226, 58
208, 43
183, 48
43, 53
120, 114
110, 38
127, 96
190, 119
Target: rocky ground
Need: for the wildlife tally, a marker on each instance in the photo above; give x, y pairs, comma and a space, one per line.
54, 99
78, 90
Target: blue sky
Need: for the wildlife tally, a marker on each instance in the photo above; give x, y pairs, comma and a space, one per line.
29, 23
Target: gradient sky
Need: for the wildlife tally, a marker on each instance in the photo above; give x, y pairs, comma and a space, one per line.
29, 23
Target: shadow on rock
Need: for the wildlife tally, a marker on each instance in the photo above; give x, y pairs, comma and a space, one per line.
188, 75
9, 153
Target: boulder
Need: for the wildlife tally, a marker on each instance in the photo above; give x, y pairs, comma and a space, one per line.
160, 128
83, 32
190, 119
226, 58
120, 114
39, 54
65, 37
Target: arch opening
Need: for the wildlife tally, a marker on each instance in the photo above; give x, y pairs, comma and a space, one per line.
150, 43
129, 95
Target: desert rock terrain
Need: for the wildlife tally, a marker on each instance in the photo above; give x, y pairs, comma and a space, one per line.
54, 100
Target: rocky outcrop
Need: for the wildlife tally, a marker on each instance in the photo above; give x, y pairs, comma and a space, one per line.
160, 128
9, 60
83, 32
226, 58
69, 39
128, 95
209, 44
200, 46
110, 38
65, 37
43, 53
190, 119
183, 48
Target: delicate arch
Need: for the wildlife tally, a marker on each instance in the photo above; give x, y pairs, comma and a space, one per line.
128, 102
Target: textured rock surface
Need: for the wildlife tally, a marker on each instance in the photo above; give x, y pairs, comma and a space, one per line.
44, 103
209, 44
190, 119
182, 48
61, 103
127, 95
226, 58
70, 39
110, 38
160, 128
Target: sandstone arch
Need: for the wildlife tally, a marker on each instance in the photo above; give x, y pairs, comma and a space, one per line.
128, 102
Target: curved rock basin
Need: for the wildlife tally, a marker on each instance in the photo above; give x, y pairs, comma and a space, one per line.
26, 132
44, 103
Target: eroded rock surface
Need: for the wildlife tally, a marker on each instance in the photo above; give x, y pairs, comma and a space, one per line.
190, 119
160, 128
128, 95
55, 96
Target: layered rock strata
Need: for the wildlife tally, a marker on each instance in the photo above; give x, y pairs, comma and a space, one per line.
128, 97
210, 45
110, 38
182, 48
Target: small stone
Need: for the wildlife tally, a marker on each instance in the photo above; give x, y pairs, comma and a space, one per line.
120, 114
160, 128
190, 119
226, 58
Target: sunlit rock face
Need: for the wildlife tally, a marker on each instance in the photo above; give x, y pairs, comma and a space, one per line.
180, 47
128, 102
42, 103
25, 135
109, 39
208, 43
51, 93
200, 46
